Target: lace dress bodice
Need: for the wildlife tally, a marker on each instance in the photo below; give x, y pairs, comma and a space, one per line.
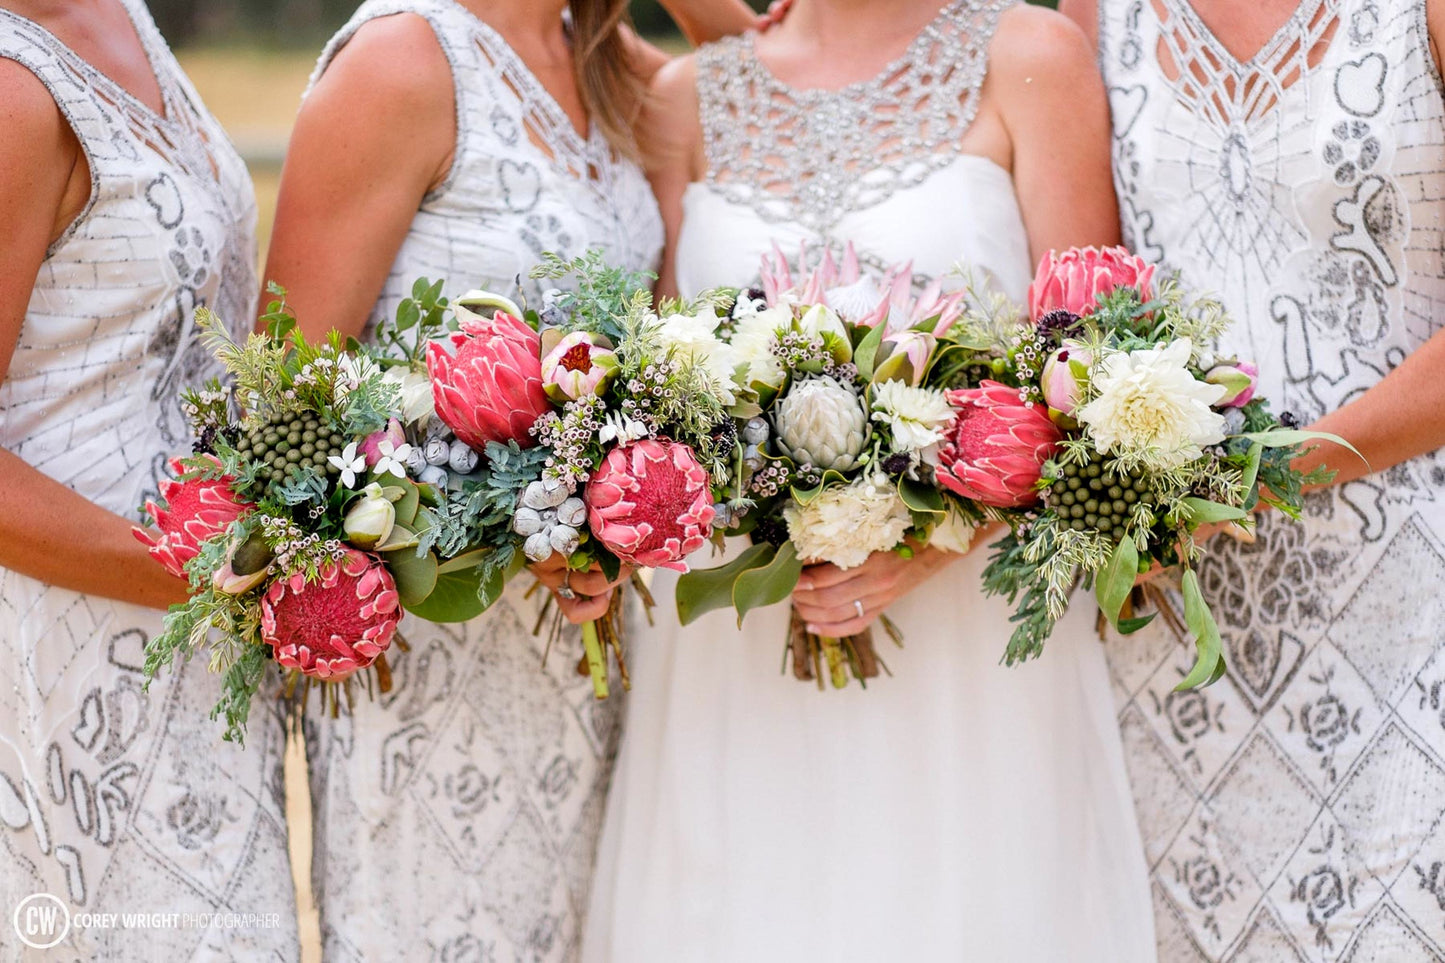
876, 163
115, 797
523, 181
1303, 185
91, 397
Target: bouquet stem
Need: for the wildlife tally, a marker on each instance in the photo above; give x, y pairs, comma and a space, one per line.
813, 656
596, 658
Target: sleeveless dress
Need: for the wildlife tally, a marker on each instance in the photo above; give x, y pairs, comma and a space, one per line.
1293, 811
115, 799
958, 810
456, 817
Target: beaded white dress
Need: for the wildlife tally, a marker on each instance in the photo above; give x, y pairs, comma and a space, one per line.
457, 817
1295, 811
115, 799
958, 810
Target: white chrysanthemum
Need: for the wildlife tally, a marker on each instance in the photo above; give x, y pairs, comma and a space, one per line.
1151, 407
693, 337
847, 523
917, 417
753, 338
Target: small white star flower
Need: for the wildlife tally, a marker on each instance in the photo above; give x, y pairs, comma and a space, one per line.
393, 458
350, 464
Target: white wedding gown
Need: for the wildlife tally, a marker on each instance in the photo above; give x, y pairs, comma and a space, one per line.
957, 811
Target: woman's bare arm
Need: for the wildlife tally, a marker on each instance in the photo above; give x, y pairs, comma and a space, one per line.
374, 136
47, 531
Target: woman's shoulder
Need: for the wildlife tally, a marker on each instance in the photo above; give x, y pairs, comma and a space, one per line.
1034, 47
393, 60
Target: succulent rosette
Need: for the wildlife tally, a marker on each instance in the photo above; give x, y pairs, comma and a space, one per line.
995, 450
650, 503
333, 626
191, 511
487, 380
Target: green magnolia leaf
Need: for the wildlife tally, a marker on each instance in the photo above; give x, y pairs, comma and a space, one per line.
1209, 660
866, 351
705, 590
1116, 579
1251, 472
760, 587
456, 597
1199, 511
416, 576
920, 497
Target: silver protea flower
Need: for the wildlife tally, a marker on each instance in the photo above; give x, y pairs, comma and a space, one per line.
821, 422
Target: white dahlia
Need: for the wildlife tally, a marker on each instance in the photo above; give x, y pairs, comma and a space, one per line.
821, 422
847, 523
917, 417
694, 338
1149, 406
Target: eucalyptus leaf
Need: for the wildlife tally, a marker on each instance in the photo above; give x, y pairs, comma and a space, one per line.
455, 597
760, 587
705, 590
416, 576
464, 561
1209, 659
1251, 470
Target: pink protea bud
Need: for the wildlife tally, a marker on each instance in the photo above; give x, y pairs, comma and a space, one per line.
580, 364
1060, 378
371, 444
995, 449
1075, 279
1240, 379
490, 388
189, 513
332, 627
650, 504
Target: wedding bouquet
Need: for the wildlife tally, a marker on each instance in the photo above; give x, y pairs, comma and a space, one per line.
300, 518
845, 432
602, 421
1106, 435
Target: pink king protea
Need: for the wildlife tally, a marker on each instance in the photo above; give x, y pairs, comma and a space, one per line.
1075, 279
650, 504
194, 511
996, 447
490, 389
330, 628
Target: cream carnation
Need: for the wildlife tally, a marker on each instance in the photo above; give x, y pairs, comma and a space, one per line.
917, 417
693, 338
847, 523
1149, 406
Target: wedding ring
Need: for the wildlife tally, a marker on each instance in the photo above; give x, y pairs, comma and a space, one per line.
564, 591
858, 607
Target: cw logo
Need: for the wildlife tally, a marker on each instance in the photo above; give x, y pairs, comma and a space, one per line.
42, 921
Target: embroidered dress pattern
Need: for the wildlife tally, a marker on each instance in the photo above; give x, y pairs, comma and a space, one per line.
1296, 810
112, 797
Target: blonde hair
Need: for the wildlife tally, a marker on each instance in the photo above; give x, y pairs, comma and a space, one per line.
610, 89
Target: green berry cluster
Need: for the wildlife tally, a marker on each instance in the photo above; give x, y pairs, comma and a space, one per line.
1098, 497
297, 438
